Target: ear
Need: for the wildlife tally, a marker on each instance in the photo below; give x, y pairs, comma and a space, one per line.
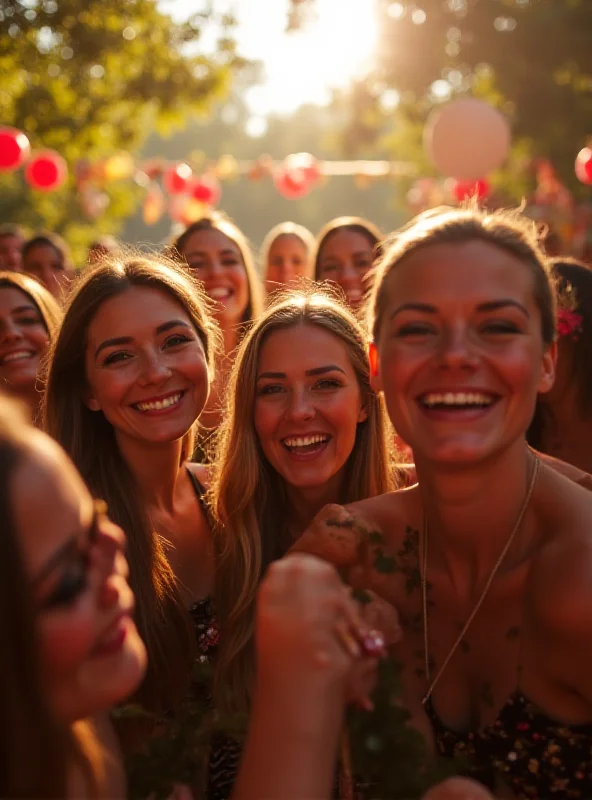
90, 401
547, 378
375, 380
362, 414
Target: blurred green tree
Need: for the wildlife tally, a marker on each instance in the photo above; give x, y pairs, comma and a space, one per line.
90, 77
530, 58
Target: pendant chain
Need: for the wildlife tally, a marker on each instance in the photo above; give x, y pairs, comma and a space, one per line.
479, 603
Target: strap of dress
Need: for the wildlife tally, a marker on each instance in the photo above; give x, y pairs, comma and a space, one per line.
200, 491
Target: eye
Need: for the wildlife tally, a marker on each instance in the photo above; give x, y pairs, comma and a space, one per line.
499, 326
230, 262
196, 264
328, 268
416, 329
328, 384
28, 321
270, 389
115, 358
72, 583
176, 339
364, 263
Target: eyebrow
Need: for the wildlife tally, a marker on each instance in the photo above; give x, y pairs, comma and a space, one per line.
308, 373
173, 323
226, 252
20, 309
491, 305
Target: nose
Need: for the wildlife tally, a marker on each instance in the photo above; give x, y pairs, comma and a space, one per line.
300, 406
349, 276
154, 370
108, 559
10, 332
456, 349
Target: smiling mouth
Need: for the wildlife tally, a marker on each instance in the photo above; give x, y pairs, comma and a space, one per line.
159, 404
306, 445
220, 293
17, 355
457, 401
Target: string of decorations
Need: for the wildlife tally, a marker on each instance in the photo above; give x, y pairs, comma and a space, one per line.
466, 140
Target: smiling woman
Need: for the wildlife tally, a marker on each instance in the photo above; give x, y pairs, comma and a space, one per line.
29, 317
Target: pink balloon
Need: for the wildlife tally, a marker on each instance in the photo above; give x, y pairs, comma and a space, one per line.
467, 139
14, 149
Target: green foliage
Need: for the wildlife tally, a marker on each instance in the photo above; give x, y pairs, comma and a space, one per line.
530, 58
89, 78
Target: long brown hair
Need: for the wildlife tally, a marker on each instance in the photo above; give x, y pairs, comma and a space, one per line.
248, 496
90, 441
218, 222
36, 750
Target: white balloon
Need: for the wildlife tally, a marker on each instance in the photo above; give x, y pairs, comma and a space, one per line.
467, 139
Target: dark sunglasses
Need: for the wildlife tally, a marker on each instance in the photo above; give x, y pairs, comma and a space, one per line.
75, 558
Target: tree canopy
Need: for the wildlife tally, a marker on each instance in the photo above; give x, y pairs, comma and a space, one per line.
94, 77
531, 58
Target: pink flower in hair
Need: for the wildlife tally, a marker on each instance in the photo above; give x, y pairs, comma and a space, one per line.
569, 323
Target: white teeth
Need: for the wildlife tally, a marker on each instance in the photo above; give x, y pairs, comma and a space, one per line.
18, 355
219, 293
306, 441
457, 399
157, 405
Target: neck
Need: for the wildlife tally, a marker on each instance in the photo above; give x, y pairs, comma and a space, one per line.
155, 467
306, 502
471, 513
30, 396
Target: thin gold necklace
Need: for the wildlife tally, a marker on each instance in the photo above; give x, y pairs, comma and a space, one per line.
473, 614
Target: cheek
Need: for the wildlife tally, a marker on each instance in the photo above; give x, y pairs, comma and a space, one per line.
109, 388
266, 417
39, 337
66, 641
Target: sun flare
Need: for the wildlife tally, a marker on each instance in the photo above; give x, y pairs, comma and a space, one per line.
302, 67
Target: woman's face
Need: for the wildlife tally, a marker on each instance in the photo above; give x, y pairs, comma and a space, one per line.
460, 351
287, 260
146, 367
23, 340
308, 404
345, 258
91, 654
217, 261
46, 264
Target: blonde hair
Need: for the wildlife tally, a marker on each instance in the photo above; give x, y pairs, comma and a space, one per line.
90, 441
248, 496
507, 230
288, 229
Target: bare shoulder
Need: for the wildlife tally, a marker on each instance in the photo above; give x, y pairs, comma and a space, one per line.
568, 470
391, 514
201, 472
561, 576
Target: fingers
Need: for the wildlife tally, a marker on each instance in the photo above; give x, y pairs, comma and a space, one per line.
458, 789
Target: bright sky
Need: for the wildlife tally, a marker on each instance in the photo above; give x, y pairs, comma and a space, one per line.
300, 67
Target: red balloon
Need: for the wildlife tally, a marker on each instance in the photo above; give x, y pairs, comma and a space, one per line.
177, 177
584, 166
206, 190
46, 171
292, 185
14, 149
465, 190
305, 163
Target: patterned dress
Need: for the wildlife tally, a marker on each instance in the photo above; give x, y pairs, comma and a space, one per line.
538, 757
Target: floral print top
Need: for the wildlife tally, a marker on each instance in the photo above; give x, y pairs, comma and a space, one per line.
536, 756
